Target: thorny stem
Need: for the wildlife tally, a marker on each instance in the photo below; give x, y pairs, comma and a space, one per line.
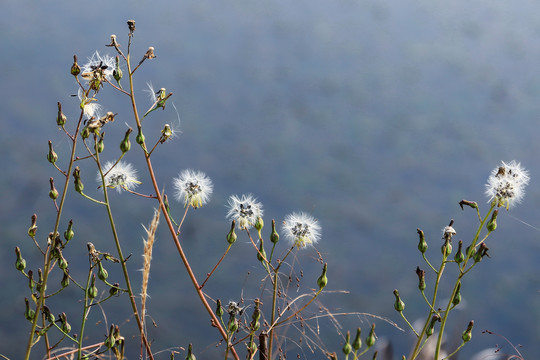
48, 253
215, 320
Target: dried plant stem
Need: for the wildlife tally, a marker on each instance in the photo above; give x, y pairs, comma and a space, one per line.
48, 253
200, 293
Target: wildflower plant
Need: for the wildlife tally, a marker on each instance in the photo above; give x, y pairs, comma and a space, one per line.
249, 328
505, 188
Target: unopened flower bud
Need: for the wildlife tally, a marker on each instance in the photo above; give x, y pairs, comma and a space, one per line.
457, 297
65, 279
39, 283
28, 313
431, 326
399, 305
20, 263
31, 282
231, 236
85, 132
53, 193
92, 290
347, 348
259, 223
446, 249
370, 340
422, 244
51, 155
375, 355
323, 280
62, 263
274, 236
48, 315
492, 223
117, 72
421, 278
467, 334
140, 137
65, 325
481, 252
261, 254
100, 145
60, 117
75, 68
115, 289
79, 186
69, 233
459, 257
190, 355
357, 343
33, 227
102, 272
472, 204
110, 340
233, 325
219, 308
125, 145
255, 324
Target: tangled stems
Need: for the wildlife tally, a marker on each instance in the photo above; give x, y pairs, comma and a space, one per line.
48, 252
170, 225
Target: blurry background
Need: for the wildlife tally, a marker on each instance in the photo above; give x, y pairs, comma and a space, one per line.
377, 117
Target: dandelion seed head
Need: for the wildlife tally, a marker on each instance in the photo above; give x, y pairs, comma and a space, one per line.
301, 229
244, 210
97, 60
506, 184
193, 188
123, 176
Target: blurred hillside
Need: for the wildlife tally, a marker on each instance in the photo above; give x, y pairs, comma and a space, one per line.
377, 117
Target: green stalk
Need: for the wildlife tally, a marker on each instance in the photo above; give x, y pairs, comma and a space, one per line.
461, 274
48, 253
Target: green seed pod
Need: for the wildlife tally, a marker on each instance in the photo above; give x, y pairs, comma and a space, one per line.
62, 263
48, 315
274, 236
51, 155
323, 280
65, 325
370, 340
100, 145
68, 234
65, 279
29, 313
33, 227
79, 186
75, 68
53, 193
140, 138
399, 305
219, 309
190, 355
421, 278
102, 273
422, 244
492, 223
231, 236
233, 325
261, 254
446, 248
357, 343
125, 145
115, 289
259, 224
459, 257
20, 263
85, 132
347, 348
457, 297
467, 334
92, 290
60, 117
